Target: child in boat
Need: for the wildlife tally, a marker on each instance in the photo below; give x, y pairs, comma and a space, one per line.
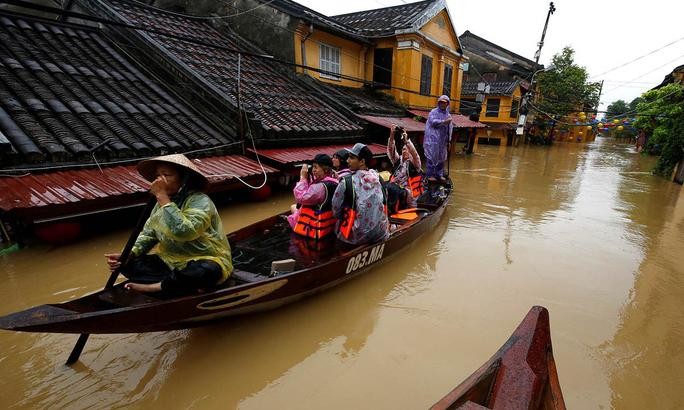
339, 160
312, 215
359, 201
407, 172
193, 252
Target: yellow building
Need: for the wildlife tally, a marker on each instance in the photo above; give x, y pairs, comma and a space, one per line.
499, 110
410, 51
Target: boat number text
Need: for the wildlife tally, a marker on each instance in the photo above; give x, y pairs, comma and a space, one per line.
365, 258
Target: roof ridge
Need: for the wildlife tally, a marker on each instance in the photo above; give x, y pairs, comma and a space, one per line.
384, 8
469, 33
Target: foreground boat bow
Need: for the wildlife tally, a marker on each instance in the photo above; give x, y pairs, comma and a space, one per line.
521, 375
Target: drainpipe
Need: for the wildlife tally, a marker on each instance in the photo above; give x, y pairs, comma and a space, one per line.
311, 29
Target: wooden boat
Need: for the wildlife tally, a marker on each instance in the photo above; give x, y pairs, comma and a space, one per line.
521, 375
253, 286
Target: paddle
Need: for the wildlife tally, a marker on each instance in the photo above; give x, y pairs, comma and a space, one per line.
80, 343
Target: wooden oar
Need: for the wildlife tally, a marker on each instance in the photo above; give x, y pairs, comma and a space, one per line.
80, 343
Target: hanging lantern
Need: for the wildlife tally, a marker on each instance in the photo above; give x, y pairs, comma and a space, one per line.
600, 125
616, 121
588, 127
620, 128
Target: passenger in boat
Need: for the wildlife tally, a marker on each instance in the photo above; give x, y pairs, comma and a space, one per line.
359, 201
193, 252
407, 172
339, 160
312, 215
437, 135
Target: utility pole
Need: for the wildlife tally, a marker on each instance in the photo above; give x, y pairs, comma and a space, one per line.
522, 112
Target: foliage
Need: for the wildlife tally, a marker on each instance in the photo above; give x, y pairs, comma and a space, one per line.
565, 89
634, 103
618, 107
661, 116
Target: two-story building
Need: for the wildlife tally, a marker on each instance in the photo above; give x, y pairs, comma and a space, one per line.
503, 77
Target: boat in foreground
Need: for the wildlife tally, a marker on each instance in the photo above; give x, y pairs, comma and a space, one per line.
521, 375
254, 285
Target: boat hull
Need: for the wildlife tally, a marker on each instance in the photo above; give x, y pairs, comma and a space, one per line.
521, 375
117, 310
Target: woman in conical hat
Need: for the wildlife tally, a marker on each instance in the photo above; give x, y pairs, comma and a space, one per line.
193, 252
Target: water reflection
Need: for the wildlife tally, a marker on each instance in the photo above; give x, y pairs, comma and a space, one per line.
585, 230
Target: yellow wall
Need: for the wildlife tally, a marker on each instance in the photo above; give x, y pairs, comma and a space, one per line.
356, 60
352, 56
443, 34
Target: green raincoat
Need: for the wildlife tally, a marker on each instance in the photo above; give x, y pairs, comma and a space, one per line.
192, 232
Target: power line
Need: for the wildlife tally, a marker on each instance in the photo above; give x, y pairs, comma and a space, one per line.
639, 58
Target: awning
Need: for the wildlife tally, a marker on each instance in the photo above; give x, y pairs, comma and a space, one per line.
460, 121
297, 155
408, 123
74, 192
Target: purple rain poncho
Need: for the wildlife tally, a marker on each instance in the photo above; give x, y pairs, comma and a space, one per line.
436, 140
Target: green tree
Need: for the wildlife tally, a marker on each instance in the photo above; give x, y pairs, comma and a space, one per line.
661, 116
634, 103
615, 108
566, 88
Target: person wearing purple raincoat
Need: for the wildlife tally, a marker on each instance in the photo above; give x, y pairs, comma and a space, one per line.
437, 135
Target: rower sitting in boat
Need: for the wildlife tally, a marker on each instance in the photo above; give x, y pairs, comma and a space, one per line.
407, 172
193, 250
339, 160
312, 215
359, 201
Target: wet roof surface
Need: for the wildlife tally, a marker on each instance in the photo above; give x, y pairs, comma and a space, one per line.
65, 90
277, 99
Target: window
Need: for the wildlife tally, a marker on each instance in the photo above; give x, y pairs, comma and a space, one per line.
492, 107
448, 74
425, 75
467, 106
330, 62
514, 108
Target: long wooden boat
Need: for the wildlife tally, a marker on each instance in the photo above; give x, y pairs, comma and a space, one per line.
521, 375
253, 286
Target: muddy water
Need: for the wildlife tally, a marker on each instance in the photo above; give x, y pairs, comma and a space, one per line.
584, 230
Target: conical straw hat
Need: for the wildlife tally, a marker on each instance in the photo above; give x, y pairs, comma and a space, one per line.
148, 167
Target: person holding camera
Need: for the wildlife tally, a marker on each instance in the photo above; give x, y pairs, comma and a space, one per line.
312, 215
437, 137
407, 172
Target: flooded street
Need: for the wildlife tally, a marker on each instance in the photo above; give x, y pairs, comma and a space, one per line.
584, 230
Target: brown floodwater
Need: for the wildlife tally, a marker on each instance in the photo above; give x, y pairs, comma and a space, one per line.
584, 230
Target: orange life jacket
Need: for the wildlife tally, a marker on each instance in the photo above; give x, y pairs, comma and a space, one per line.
349, 206
415, 180
317, 221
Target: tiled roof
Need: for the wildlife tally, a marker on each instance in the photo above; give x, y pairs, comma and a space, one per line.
65, 192
407, 123
495, 88
385, 21
473, 44
306, 14
283, 105
297, 155
363, 100
460, 121
64, 89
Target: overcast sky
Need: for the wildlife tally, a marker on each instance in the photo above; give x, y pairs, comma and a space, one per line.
604, 33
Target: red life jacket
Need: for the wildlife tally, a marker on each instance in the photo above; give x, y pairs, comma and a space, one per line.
317, 221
